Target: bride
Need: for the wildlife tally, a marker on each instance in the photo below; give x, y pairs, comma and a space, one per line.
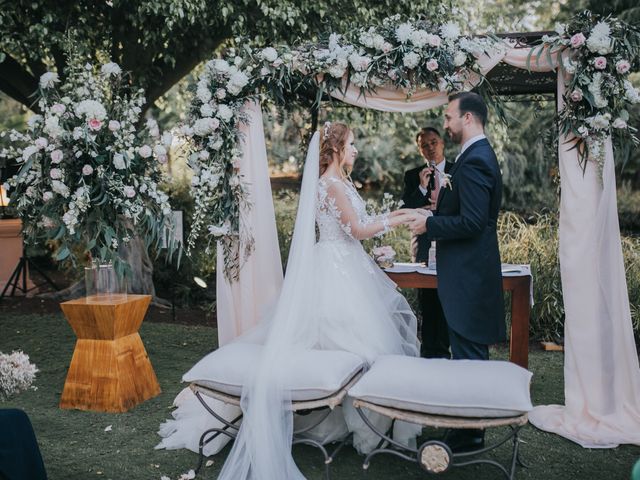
334, 297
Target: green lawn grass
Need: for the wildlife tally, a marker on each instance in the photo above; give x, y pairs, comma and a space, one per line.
75, 445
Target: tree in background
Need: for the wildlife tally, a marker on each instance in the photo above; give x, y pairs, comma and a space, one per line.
159, 41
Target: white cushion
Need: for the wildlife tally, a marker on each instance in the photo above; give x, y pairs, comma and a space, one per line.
310, 374
459, 388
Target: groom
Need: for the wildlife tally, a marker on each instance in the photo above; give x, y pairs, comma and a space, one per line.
464, 228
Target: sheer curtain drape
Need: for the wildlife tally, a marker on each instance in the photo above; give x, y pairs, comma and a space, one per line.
602, 379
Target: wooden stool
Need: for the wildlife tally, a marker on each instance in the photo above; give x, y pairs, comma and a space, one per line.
110, 370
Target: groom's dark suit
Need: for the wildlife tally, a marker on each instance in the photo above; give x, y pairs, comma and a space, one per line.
434, 330
464, 227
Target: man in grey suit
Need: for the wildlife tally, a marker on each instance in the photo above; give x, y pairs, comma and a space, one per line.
464, 228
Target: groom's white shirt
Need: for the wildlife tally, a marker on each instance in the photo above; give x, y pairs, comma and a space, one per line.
468, 143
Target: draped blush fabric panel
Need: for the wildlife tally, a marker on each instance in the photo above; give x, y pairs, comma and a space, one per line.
602, 378
601, 371
242, 304
391, 100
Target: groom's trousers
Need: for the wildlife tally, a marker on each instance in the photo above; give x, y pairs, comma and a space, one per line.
434, 330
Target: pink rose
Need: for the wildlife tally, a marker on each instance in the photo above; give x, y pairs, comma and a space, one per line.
129, 192
600, 63
95, 124
386, 47
57, 156
41, 142
58, 108
576, 95
622, 66
577, 40
432, 65
87, 169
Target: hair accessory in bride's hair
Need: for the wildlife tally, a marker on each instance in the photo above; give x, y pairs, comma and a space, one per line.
327, 126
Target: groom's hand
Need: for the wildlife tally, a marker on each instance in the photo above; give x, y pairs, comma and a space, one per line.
416, 220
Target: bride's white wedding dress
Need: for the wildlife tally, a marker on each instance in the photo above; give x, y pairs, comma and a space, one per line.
334, 297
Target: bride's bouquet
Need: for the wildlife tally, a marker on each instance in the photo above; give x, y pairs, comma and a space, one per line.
88, 171
16, 373
384, 256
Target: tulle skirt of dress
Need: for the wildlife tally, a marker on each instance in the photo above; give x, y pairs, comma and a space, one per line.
353, 306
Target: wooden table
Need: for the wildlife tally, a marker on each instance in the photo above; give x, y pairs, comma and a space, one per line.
519, 286
110, 370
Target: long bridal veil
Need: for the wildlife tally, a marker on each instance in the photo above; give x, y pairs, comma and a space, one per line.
262, 449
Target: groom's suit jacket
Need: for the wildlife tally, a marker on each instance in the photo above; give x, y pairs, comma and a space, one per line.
412, 197
468, 259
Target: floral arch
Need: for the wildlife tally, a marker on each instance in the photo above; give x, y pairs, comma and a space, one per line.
410, 66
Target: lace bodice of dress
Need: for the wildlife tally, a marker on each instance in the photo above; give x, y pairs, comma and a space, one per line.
341, 213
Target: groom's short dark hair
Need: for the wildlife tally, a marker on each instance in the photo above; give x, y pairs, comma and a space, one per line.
425, 130
472, 103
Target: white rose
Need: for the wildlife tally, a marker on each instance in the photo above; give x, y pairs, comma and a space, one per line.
91, 109
264, 71
60, 188
58, 108
206, 110
41, 142
619, 123
114, 125
57, 156
269, 54
221, 66
159, 150
224, 112
55, 173
87, 169
145, 151
77, 133
48, 80
203, 94
118, 161
411, 60
46, 196
459, 58
221, 93
110, 68
419, 38
52, 127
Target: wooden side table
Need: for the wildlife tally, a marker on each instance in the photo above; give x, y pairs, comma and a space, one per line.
110, 370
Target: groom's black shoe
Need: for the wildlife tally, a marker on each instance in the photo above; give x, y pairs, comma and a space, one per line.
464, 440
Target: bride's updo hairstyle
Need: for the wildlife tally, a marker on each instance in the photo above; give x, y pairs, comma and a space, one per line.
334, 137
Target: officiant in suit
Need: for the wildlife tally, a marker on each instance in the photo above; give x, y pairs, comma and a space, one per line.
464, 228
419, 192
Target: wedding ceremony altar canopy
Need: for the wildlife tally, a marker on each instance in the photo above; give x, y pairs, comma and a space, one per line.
602, 375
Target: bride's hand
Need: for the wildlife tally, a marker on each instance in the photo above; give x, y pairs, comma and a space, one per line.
400, 211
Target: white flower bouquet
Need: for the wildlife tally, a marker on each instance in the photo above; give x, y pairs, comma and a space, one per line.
88, 171
597, 54
16, 373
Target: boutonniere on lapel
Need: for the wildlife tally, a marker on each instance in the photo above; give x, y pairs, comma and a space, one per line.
446, 181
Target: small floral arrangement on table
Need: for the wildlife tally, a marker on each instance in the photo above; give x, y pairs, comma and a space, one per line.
16, 373
89, 172
384, 256
597, 54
